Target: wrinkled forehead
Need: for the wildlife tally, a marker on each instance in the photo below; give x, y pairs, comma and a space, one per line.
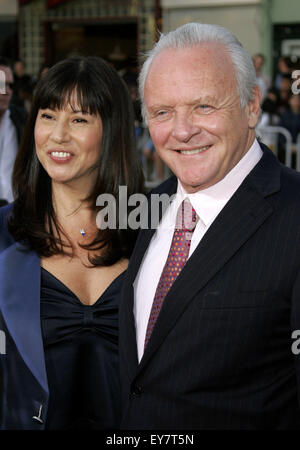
212, 58
208, 66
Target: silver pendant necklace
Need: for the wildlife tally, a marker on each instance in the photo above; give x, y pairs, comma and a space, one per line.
82, 232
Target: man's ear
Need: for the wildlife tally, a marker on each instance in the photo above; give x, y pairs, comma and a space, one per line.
253, 108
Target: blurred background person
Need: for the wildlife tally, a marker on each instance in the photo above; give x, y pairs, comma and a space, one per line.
284, 68
43, 70
12, 120
18, 69
269, 117
290, 120
23, 86
262, 81
62, 371
285, 92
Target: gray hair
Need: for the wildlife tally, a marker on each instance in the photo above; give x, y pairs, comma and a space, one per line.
196, 34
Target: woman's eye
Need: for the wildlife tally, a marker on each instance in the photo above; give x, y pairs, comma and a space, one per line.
46, 116
80, 120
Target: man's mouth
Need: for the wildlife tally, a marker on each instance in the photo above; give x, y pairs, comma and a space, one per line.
195, 151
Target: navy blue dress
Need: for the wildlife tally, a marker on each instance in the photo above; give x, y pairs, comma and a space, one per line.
81, 354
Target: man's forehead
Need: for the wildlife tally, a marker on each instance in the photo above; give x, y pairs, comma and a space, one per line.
205, 49
207, 65
209, 58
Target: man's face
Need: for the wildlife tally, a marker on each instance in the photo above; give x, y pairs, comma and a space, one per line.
194, 114
5, 98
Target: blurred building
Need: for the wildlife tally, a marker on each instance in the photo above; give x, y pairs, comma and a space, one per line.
271, 27
9, 29
117, 30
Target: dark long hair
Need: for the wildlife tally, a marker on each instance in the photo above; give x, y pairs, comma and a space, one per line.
99, 90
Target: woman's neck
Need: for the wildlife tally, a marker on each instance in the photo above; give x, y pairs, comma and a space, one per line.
70, 205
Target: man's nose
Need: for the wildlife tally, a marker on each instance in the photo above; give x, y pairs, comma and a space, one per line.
60, 132
184, 128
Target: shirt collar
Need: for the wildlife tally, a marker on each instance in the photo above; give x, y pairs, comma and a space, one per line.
209, 202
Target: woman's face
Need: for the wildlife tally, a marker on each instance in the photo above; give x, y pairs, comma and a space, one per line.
68, 144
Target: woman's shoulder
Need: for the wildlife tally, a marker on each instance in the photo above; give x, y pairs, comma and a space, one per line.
4, 212
6, 238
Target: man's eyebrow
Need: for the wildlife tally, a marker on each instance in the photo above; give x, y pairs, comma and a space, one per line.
157, 106
204, 99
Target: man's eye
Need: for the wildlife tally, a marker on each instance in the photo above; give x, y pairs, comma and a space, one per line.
204, 109
161, 114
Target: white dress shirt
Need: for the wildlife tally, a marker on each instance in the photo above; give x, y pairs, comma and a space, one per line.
207, 203
8, 152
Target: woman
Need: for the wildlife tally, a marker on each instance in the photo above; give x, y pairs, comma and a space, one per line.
60, 276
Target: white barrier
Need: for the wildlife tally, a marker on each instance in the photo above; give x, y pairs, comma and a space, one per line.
298, 153
288, 145
2, 82
2, 343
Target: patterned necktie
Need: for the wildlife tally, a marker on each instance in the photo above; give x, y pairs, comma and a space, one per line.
185, 224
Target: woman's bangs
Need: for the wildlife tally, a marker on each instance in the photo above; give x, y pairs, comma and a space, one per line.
79, 98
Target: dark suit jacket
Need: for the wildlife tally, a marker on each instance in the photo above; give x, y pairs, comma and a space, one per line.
220, 354
18, 117
23, 379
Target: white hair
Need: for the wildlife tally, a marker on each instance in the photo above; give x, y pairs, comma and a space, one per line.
197, 34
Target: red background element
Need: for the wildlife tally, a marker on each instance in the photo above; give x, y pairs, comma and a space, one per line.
51, 3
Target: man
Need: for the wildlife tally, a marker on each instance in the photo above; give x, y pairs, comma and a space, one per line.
12, 121
212, 347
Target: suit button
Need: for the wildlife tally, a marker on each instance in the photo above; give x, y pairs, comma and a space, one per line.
136, 391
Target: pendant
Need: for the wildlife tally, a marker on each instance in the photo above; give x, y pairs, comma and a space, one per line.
82, 232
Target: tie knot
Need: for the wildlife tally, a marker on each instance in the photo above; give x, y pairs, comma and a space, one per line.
186, 218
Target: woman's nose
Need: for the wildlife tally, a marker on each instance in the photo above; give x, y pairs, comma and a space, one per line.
60, 132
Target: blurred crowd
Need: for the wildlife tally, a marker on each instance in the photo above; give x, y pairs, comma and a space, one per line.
280, 106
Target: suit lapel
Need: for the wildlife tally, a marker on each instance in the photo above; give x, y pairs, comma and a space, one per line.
237, 222
20, 306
